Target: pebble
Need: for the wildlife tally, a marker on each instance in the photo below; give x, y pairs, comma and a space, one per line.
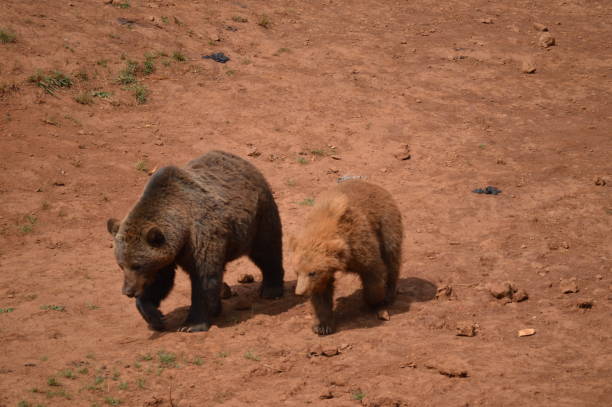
540, 27
528, 66
546, 40
526, 332
403, 152
465, 328
568, 286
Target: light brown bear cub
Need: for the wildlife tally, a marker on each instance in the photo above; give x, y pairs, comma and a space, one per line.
354, 227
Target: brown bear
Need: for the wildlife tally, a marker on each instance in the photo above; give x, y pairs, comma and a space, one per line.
354, 227
199, 217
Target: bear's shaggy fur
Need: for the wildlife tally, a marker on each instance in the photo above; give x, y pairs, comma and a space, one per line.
199, 217
354, 227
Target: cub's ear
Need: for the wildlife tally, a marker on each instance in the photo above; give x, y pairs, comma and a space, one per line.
337, 248
113, 226
155, 237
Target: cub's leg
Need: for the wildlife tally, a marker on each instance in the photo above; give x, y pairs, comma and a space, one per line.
267, 253
148, 303
374, 281
323, 308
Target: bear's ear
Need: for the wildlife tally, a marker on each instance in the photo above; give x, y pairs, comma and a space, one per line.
337, 248
155, 237
113, 226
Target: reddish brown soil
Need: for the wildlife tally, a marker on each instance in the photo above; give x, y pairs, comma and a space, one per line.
329, 89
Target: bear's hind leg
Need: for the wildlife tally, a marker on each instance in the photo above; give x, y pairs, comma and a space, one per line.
267, 254
375, 285
148, 303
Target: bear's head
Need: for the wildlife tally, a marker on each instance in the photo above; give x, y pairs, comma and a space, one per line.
315, 264
141, 250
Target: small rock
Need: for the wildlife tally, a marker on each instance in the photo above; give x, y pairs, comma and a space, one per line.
159, 142
599, 276
226, 291
520, 295
486, 20
403, 152
568, 286
107, 1
254, 152
326, 395
526, 332
466, 328
501, 290
528, 66
383, 315
588, 304
330, 352
540, 27
444, 292
410, 365
246, 279
600, 182
546, 40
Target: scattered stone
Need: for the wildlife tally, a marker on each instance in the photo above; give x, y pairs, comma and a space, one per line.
449, 370
326, 395
152, 171
335, 157
383, 315
350, 177
320, 351
217, 57
599, 276
568, 286
444, 292
107, 1
526, 332
501, 161
125, 21
486, 20
410, 365
246, 279
490, 190
159, 142
226, 291
546, 40
466, 328
600, 182
588, 304
254, 152
500, 290
540, 27
520, 295
403, 152
528, 66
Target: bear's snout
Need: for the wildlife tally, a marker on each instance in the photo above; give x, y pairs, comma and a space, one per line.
129, 290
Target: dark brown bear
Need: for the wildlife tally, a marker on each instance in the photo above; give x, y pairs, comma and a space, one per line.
355, 227
217, 208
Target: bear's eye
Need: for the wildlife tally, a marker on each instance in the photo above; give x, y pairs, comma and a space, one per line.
312, 274
136, 267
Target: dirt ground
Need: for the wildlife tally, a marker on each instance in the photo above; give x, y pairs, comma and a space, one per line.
313, 91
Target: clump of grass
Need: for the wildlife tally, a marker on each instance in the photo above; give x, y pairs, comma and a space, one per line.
358, 395
28, 227
83, 370
82, 75
51, 82
52, 381
251, 356
111, 401
141, 93
146, 356
166, 359
223, 354
92, 307
101, 94
116, 375
123, 385
264, 21
84, 98
68, 374
240, 19
178, 56
302, 160
128, 75
165, 19
102, 62
98, 380
7, 37
6, 310
141, 383
59, 308
143, 165
307, 202
148, 66
23, 403
281, 51
198, 361
125, 4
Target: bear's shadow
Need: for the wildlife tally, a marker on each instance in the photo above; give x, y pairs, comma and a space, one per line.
350, 312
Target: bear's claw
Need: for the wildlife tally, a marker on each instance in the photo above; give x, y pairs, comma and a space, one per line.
323, 329
201, 327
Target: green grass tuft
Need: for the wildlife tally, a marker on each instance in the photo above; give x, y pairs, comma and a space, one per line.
51, 82
7, 37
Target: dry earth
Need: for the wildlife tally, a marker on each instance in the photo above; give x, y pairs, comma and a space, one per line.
314, 90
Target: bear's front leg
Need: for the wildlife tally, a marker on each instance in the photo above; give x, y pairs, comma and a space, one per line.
148, 303
205, 301
323, 308
150, 313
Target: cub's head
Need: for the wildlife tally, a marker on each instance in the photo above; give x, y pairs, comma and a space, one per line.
316, 263
141, 250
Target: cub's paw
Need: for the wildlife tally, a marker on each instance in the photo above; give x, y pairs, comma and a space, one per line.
201, 327
322, 329
271, 292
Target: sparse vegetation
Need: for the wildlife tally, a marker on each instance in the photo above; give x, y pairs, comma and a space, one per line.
102, 62
82, 75
178, 56
307, 202
111, 401
23, 403
128, 75
7, 37
146, 356
302, 160
28, 227
83, 370
123, 385
148, 66
240, 19
68, 374
141, 383
358, 395
125, 4
281, 51
198, 361
51, 82
52, 381
6, 310
84, 98
92, 307
223, 354
60, 308
264, 21
165, 19
166, 359
140, 92
101, 94
251, 356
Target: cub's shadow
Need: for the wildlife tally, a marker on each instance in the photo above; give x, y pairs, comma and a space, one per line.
245, 303
351, 312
